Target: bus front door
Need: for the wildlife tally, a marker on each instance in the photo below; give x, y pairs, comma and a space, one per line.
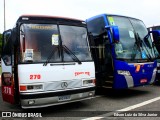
8, 88
7, 80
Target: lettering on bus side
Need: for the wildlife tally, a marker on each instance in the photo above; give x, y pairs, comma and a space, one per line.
7, 90
80, 73
35, 77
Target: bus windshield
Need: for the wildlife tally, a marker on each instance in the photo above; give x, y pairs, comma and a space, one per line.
132, 45
39, 42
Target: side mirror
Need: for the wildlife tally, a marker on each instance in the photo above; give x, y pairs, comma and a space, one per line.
24, 43
6, 37
115, 32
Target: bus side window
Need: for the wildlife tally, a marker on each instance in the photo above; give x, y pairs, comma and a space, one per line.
7, 48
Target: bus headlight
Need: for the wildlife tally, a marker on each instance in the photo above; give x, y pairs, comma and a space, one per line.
31, 87
122, 72
34, 87
88, 82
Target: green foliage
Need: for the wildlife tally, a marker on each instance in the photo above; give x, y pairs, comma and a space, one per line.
0, 43
0, 36
0, 71
0, 39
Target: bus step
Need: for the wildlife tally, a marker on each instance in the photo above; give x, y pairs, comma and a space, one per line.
110, 76
106, 87
109, 81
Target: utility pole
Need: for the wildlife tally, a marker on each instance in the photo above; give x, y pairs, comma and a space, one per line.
4, 16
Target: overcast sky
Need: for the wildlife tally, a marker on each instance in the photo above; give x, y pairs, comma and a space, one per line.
146, 10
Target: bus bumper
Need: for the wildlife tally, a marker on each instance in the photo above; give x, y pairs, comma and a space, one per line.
38, 100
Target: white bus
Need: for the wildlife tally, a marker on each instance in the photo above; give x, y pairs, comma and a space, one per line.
46, 61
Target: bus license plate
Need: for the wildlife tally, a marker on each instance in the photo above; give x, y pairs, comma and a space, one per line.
64, 98
143, 80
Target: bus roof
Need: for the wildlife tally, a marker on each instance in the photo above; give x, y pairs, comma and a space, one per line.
104, 15
156, 26
40, 17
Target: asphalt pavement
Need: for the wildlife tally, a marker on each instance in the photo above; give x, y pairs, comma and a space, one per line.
109, 104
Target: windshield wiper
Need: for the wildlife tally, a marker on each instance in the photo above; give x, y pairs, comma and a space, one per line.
133, 55
148, 55
50, 56
139, 43
152, 47
74, 57
68, 51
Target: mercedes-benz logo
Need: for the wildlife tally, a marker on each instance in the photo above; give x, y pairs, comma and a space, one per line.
64, 85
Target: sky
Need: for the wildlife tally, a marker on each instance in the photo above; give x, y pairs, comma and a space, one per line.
146, 10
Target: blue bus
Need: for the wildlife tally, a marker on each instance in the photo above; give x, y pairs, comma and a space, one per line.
122, 50
156, 41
